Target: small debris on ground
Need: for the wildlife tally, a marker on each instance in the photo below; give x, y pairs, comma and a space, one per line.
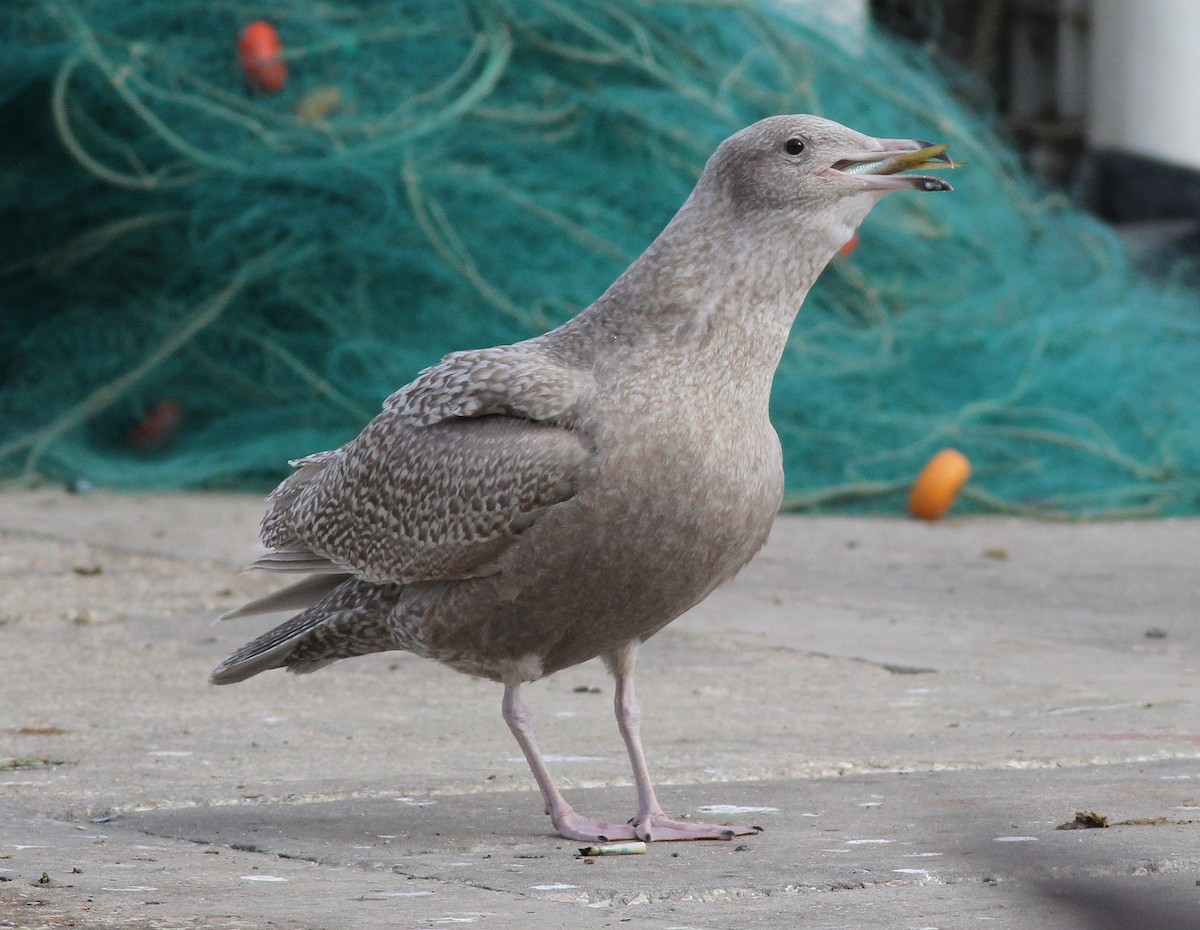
1084, 820
1153, 822
630, 848
29, 762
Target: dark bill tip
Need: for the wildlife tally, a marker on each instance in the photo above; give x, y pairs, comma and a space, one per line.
941, 156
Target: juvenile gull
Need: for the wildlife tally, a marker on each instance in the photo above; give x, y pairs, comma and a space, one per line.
521, 509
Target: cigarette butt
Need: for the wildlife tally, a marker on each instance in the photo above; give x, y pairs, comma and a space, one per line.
632, 848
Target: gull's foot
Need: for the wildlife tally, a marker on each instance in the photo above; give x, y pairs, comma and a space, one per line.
660, 828
573, 826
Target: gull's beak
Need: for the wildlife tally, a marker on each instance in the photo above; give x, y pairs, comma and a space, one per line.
879, 169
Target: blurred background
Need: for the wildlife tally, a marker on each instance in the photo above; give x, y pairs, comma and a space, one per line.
1098, 95
229, 230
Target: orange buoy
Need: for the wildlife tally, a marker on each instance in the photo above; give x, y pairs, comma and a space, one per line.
938, 484
259, 48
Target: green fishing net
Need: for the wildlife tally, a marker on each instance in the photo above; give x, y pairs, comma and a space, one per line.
199, 281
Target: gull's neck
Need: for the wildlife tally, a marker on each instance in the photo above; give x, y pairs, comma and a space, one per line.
718, 289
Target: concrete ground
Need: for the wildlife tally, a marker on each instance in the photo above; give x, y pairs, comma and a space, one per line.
911, 711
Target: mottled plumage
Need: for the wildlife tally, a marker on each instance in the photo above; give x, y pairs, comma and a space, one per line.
518, 510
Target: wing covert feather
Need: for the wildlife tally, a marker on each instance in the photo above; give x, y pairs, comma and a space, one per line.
443, 480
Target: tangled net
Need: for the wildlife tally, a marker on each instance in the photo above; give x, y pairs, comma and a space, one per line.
198, 282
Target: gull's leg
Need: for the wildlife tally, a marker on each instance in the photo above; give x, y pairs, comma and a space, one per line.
651, 823
570, 825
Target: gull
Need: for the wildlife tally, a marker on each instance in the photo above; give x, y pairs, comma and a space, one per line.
518, 510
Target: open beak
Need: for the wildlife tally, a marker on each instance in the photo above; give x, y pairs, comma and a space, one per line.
879, 170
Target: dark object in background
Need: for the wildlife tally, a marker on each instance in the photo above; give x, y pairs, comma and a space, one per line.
1156, 204
1126, 188
157, 429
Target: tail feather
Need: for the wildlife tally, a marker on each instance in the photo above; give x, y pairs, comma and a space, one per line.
268, 651
294, 597
297, 560
351, 619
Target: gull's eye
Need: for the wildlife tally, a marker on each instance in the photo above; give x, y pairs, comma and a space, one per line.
794, 146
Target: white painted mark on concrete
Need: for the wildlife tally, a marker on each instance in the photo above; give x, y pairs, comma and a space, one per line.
455, 920
1186, 807
736, 809
924, 872
810, 814
273, 719
413, 802
565, 713
19, 846
871, 804
263, 878
920, 855
866, 842
130, 888
170, 752
1014, 839
1174, 777
551, 757
557, 886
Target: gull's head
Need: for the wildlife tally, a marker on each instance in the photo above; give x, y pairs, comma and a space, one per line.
826, 176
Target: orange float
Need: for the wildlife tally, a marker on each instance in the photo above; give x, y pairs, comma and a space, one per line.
259, 48
938, 484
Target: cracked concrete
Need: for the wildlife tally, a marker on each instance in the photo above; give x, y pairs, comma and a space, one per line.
909, 710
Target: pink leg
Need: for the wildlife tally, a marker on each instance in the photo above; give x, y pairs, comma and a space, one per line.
570, 825
651, 823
